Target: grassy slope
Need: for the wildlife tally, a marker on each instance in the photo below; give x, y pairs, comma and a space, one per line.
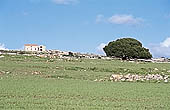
75, 88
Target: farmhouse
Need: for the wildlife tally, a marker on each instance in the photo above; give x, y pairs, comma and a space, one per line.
34, 47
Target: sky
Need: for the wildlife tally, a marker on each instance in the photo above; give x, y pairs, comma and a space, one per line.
85, 25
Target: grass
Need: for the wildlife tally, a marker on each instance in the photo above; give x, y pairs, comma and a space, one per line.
42, 83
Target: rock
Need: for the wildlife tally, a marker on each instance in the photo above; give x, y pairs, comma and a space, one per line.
123, 79
166, 80
158, 81
156, 69
130, 80
142, 80
36, 73
95, 80
100, 80
116, 77
57, 67
1, 56
111, 78
165, 77
7, 72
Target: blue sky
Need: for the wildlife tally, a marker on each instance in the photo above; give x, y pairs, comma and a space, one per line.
85, 25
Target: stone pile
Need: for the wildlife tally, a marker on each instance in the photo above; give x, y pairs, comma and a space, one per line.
142, 78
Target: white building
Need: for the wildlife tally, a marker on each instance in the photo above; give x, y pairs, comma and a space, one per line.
34, 47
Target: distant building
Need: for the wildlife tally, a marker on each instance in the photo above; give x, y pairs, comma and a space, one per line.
34, 47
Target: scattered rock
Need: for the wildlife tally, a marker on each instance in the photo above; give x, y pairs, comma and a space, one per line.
142, 78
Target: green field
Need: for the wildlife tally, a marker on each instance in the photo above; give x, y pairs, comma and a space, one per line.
33, 83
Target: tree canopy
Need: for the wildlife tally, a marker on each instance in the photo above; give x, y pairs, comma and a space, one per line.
127, 48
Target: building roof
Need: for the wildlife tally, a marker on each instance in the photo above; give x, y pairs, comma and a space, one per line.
30, 45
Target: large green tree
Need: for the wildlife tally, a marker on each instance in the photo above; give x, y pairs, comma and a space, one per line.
127, 48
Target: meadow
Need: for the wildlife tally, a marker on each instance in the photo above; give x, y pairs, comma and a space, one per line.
32, 83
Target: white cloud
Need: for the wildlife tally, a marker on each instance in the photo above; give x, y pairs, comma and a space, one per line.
119, 19
162, 49
2, 47
100, 18
65, 2
124, 19
166, 43
100, 48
